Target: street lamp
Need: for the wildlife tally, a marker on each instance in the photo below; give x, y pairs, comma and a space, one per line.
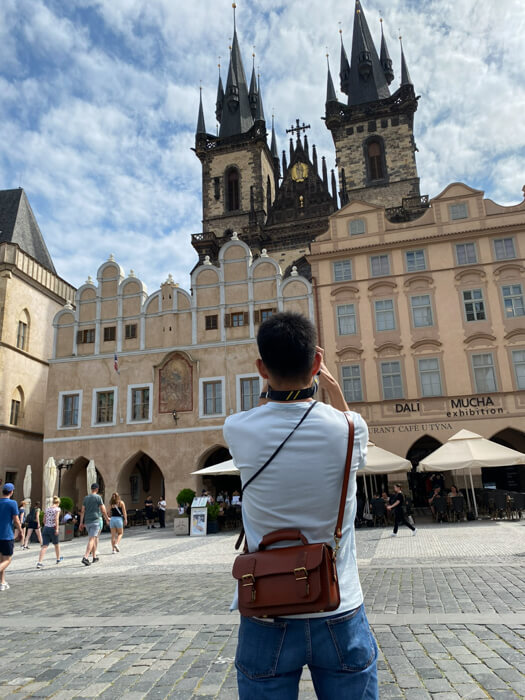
63, 464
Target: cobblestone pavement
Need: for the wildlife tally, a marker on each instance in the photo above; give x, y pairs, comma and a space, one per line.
447, 608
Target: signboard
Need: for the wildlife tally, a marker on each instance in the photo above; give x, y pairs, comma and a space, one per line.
199, 516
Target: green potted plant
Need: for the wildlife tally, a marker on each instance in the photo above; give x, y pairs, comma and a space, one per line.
66, 530
181, 521
213, 514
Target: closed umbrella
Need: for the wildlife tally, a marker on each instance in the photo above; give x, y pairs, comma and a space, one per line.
465, 450
50, 477
27, 488
91, 474
223, 468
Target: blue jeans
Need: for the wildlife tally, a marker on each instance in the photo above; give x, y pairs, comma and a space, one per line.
339, 650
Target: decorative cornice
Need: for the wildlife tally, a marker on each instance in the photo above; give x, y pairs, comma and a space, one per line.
417, 278
349, 349
386, 346
346, 288
381, 283
508, 266
470, 271
479, 336
514, 333
426, 341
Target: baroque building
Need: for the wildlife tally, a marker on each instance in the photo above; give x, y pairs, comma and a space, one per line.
31, 293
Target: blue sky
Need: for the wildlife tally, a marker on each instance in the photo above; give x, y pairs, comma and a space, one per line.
100, 98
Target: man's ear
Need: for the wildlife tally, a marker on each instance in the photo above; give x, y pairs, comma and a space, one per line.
317, 363
261, 368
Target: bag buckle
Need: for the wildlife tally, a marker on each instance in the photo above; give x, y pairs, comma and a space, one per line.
249, 580
300, 570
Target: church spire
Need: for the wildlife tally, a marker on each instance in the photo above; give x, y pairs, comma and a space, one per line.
405, 75
220, 96
367, 81
386, 61
330, 90
201, 127
273, 147
236, 116
344, 69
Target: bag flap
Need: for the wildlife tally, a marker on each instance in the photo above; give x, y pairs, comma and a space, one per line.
275, 561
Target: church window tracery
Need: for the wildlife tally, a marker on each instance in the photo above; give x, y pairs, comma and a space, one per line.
232, 190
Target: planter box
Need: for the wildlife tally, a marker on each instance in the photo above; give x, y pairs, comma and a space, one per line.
181, 525
212, 527
65, 532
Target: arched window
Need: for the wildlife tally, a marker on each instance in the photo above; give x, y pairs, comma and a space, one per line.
375, 161
268, 194
22, 332
232, 190
17, 406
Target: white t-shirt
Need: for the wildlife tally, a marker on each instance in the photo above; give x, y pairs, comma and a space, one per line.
301, 487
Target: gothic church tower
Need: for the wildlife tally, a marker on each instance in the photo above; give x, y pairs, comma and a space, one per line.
373, 133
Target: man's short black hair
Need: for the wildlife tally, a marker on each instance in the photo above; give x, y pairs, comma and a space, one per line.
287, 343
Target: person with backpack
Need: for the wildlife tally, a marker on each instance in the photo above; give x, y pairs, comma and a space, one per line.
117, 521
33, 525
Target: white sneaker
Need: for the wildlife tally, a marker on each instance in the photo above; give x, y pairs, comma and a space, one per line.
414, 533
394, 534
4, 586
117, 548
39, 565
114, 551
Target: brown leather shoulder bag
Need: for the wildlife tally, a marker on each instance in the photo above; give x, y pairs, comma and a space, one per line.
297, 579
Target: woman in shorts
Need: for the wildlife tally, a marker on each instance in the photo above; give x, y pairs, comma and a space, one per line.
50, 532
33, 525
117, 521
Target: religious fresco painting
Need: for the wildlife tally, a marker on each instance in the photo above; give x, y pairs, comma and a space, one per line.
176, 385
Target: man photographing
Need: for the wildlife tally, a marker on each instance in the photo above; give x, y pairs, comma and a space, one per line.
300, 489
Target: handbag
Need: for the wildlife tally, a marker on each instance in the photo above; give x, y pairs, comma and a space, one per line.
295, 579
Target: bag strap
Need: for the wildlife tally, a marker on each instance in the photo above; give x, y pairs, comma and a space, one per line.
278, 449
342, 503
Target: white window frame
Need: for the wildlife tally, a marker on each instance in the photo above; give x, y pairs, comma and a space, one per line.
417, 265
129, 407
421, 306
492, 366
380, 274
464, 245
474, 302
348, 263
503, 242
383, 311
422, 372
515, 366
206, 380
357, 223
96, 391
349, 399
512, 296
347, 315
61, 395
238, 378
392, 398
458, 211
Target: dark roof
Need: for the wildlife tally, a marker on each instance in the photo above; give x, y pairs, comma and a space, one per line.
201, 126
405, 75
330, 90
367, 81
236, 116
18, 225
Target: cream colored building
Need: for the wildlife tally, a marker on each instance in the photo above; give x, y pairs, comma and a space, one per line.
424, 321
30, 295
186, 360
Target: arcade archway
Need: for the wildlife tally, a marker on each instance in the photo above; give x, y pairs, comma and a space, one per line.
420, 484
506, 478
215, 484
73, 482
140, 477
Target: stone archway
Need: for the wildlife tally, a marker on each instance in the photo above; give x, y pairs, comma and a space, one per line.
420, 483
139, 477
73, 482
507, 478
215, 484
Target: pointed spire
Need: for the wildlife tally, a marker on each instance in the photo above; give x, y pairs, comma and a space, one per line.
344, 68
325, 172
273, 147
259, 112
291, 150
236, 116
330, 90
405, 75
254, 93
367, 81
220, 95
285, 165
305, 146
334, 187
314, 159
386, 61
201, 127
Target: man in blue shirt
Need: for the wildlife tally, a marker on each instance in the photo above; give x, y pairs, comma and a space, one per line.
8, 518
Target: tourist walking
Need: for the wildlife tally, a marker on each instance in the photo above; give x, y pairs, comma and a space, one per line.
302, 484
162, 512
33, 525
50, 532
148, 508
92, 508
20, 532
399, 510
9, 521
117, 521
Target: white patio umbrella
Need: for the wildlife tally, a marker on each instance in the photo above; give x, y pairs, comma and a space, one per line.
27, 488
224, 468
465, 450
50, 477
91, 475
380, 461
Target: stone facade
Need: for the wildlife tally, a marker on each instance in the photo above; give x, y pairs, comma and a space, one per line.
189, 353
424, 324
30, 296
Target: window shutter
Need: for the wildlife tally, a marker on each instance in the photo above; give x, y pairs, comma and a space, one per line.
257, 316
246, 318
227, 320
